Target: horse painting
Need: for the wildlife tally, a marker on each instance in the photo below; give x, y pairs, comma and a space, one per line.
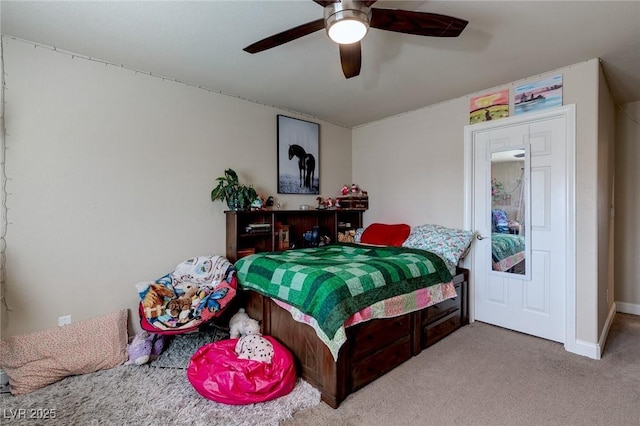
306, 165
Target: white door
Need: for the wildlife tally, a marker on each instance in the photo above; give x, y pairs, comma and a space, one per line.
533, 300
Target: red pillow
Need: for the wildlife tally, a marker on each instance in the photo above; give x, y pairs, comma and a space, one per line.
385, 234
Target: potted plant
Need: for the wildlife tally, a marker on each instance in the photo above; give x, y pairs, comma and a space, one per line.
238, 197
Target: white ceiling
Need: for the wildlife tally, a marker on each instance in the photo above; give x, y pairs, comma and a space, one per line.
201, 43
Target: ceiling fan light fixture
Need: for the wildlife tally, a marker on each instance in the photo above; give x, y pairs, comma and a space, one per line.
347, 22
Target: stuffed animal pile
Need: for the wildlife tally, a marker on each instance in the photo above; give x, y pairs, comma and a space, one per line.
181, 306
251, 345
197, 290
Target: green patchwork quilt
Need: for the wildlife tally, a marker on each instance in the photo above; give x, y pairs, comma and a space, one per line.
333, 282
506, 245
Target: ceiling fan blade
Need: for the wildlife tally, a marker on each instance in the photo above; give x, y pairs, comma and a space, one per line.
351, 59
418, 23
285, 36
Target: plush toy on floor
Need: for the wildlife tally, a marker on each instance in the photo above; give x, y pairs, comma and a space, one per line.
251, 345
241, 324
145, 347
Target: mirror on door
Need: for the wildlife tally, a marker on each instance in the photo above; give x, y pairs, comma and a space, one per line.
508, 213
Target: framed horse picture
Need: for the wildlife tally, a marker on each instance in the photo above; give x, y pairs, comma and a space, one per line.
298, 156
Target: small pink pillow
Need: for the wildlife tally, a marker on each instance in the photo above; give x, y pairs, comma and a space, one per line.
35, 360
385, 234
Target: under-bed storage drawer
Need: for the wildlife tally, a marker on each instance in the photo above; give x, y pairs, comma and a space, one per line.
375, 334
370, 368
440, 320
443, 308
443, 327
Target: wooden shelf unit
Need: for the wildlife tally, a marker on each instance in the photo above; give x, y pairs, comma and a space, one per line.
330, 223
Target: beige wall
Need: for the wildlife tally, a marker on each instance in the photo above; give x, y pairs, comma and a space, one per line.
606, 224
412, 166
109, 179
627, 231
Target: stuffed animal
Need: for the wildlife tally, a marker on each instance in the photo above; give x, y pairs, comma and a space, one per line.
181, 307
145, 347
254, 347
241, 324
154, 298
347, 236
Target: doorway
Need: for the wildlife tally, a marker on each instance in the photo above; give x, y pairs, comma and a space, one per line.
519, 198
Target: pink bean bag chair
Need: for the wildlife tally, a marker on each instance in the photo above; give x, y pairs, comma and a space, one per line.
216, 372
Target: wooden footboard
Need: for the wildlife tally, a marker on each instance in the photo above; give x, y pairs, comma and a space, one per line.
373, 348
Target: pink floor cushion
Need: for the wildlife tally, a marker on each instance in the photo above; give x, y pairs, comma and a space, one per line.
216, 372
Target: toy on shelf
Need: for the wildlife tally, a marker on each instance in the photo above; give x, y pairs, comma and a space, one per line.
353, 197
324, 204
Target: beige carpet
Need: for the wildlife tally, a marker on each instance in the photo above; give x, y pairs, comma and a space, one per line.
154, 394
141, 396
485, 375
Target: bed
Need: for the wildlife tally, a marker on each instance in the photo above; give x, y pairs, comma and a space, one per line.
408, 305
507, 251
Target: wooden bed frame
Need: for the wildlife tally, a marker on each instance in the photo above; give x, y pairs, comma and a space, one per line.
373, 348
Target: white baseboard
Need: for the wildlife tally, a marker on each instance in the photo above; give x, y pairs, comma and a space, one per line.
628, 308
593, 350
607, 327
581, 347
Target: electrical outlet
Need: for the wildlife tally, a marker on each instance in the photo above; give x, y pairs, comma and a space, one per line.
4, 379
64, 320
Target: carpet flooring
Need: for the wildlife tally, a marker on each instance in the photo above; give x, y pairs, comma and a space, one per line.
180, 348
480, 375
153, 394
486, 375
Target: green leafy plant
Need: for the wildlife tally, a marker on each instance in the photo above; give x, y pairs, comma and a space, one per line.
229, 189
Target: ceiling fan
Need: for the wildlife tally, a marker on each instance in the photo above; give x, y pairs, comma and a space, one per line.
348, 21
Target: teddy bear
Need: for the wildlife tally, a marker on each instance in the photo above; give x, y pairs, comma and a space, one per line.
145, 347
241, 324
181, 307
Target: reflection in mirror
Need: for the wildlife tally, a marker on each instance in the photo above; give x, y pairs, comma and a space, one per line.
508, 194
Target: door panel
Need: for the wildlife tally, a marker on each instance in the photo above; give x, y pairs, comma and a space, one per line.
540, 185
537, 290
534, 302
497, 290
